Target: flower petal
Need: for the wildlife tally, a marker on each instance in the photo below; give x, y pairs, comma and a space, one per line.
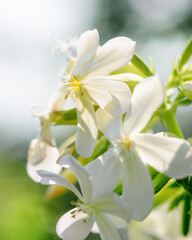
47, 178
109, 126
111, 203
112, 56
81, 174
169, 155
147, 97
42, 158
106, 227
78, 227
87, 45
112, 96
87, 129
137, 187
105, 172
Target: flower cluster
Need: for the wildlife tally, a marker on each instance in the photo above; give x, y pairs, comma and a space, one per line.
116, 93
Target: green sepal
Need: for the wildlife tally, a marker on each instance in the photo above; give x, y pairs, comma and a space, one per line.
176, 201
119, 187
140, 64
186, 183
100, 148
65, 117
186, 216
185, 55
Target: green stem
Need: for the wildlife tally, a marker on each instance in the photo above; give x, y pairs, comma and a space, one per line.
172, 123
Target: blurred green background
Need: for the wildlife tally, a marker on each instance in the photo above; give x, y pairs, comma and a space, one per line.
29, 74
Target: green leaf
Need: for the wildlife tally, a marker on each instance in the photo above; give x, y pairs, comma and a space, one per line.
100, 148
186, 217
170, 190
139, 63
185, 55
153, 172
186, 183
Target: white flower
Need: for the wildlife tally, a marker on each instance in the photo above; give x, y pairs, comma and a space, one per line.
43, 152
90, 208
89, 84
132, 151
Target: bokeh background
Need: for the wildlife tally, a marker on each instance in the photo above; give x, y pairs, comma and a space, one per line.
29, 75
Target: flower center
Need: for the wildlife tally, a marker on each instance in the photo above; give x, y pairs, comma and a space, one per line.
126, 143
82, 207
74, 87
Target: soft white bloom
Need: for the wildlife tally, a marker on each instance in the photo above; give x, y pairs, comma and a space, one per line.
132, 150
43, 152
89, 84
161, 224
89, 208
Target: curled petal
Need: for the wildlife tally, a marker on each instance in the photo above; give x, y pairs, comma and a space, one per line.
81, 174
74, 225
48, 178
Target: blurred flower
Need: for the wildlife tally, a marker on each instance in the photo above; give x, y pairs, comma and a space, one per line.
68, 47
43, 152
89, 84
132, 151
90, 208
161, 224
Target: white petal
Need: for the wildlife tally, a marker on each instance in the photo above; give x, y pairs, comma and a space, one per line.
70, 228
109, 126
42, 158
106, 227
87, 45
112, 96
137, 187
111, 203
169, 155
86, 128
105, 172
112, 56
47, 178
147, 97
81, 174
